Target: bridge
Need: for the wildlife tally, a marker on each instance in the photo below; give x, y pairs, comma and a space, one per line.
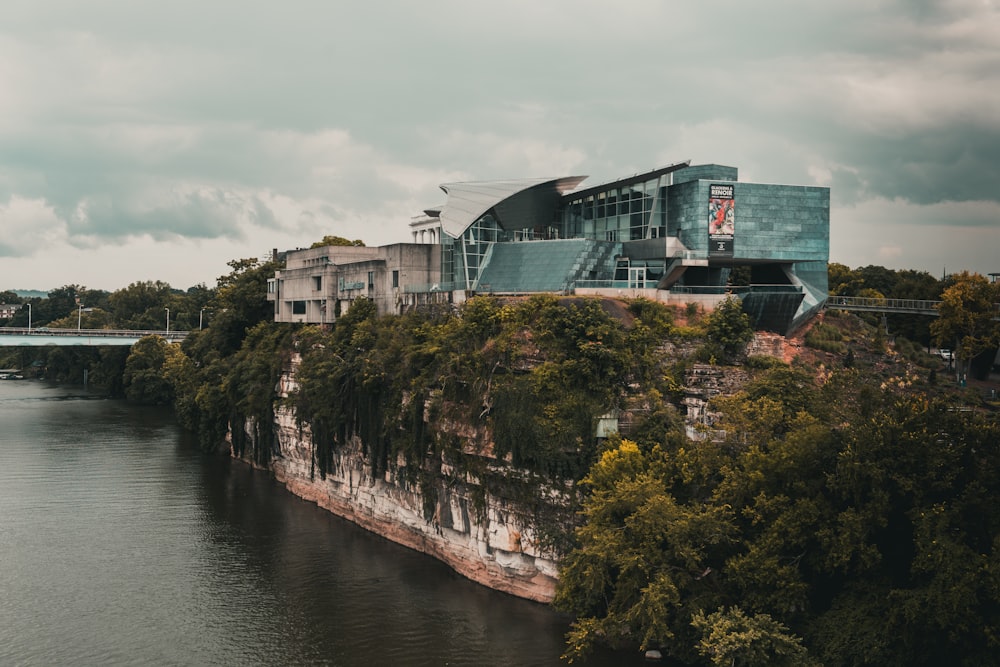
886, 306
41, 336
877, 305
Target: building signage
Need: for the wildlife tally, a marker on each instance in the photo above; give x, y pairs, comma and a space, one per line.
721, 220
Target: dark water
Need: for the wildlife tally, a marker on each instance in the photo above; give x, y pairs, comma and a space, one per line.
121, 544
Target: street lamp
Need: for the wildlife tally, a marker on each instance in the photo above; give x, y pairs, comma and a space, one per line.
200, 315
168, 319
79, 317
29, 316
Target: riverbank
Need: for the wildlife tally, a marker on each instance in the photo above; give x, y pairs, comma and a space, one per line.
491, 545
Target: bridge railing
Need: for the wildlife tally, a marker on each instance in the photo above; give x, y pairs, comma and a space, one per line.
917, 306
874, 303
93, 333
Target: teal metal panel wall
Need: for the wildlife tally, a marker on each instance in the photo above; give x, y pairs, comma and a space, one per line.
687, 214
780, 223
706, 172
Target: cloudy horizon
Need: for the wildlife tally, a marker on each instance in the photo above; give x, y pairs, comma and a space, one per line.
144, 141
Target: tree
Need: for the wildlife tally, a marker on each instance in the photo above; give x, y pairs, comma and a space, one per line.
966, 316
645, 561
878, 278
337, 241
843, 280
141, 305
60, 303
144, 379
729, 329
240, 304
730, 638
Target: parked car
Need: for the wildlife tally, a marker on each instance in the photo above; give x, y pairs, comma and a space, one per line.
945, 354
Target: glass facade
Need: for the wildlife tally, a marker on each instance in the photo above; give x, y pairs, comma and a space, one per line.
647, 231
622, 213
470, 251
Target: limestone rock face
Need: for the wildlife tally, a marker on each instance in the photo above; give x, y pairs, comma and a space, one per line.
486, 539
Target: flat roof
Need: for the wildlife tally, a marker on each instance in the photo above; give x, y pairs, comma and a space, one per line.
628, 180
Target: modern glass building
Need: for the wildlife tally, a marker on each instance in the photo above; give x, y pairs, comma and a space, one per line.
679, 233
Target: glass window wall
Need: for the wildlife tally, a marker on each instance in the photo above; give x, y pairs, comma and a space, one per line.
634, 212
470, 250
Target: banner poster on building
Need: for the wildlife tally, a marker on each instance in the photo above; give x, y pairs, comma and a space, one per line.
721, 220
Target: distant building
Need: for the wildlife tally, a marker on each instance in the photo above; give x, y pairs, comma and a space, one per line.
8, 310
674, 234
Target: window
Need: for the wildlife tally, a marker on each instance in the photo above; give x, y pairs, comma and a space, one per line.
395, 278
371, 279
317, 283
298, 307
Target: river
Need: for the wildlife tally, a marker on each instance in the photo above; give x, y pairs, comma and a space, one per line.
122, 544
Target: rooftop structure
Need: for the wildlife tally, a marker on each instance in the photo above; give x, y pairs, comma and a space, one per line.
679, 233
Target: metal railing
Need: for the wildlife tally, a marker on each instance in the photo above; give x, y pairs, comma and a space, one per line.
431, 287
738, 290
882, 305
92, 333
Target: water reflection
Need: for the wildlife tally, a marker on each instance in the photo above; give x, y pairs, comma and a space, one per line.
122, 544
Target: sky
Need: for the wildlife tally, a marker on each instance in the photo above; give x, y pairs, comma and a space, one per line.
158, 141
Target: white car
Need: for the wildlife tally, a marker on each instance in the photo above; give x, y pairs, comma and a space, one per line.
945, 354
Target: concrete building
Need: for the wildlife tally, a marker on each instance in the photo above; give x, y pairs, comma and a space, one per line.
317, 285
677, 234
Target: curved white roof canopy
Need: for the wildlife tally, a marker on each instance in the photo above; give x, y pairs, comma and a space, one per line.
517, 204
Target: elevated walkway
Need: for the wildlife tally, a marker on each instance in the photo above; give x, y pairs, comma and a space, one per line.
873, 305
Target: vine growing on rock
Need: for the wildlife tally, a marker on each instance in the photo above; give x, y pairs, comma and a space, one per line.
524, 382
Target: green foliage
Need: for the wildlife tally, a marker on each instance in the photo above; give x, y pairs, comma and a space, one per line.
239, 304
142, 305
69, 364
966, 316
840, 515
144, 379
826, 338
729, 330
825, 508
730, 637
251, 390
337, 241
762, 362
914, 352
658, 317
903, 284
535, 374
644, 562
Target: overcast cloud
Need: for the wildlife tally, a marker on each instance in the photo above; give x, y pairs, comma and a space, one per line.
157, 141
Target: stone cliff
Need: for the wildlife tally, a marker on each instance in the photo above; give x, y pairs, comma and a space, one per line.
489, 539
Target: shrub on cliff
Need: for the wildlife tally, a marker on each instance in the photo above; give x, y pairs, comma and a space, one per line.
865, 530
728, 330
